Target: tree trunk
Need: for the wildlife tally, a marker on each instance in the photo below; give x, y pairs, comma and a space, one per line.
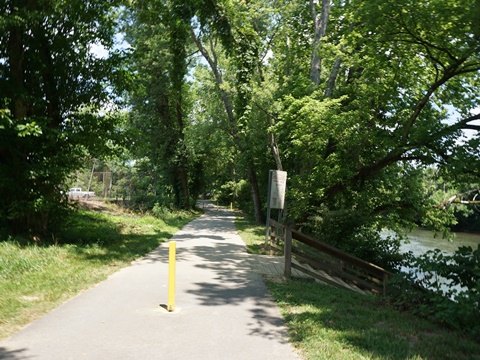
15, 54
184, 182
232, 118
212, 62
332, 78
49, 84
183, 161
275, 152
320, 22
288, 62
257, 203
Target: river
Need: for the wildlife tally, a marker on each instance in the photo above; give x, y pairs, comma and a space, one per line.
423, 240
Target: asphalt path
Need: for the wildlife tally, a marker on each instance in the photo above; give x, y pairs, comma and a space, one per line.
222, 307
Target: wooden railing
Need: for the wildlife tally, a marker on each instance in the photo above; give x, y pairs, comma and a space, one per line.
326, 263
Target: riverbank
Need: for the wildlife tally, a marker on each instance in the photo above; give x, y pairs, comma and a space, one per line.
335, 324
329, 323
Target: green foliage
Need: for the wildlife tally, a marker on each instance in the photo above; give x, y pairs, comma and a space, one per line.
51, 90
159, 97
237, 193
397, 88
356, 232
440, 220
169, 215
443, 287
355, 157
160, 211
443, 190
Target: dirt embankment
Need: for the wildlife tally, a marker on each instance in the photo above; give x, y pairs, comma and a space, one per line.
113, 207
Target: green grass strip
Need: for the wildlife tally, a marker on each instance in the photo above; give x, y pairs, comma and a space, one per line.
253, 235
329, 323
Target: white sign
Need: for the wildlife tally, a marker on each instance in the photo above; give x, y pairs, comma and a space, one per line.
277, 189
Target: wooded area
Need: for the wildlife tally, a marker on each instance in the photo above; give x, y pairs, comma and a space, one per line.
372, 108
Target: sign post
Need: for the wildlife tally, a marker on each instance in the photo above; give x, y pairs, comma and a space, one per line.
277, 182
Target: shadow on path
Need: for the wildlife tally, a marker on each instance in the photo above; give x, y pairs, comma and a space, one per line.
12, 354
225, 308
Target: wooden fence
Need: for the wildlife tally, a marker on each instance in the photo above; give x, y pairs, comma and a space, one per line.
326, 263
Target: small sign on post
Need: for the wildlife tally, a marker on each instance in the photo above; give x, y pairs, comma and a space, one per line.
277, 183
277, 189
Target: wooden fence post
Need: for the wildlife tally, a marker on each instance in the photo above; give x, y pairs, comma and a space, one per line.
288, 253
273, 235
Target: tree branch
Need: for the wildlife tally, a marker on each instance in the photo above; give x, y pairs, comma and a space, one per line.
272, 142
447, 75
212, 62
333, 77
427, 45
462, 124
454, 198
365, 172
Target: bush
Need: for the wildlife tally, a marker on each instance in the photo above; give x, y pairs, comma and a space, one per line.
161, 211
352, 231
443, 287
237, 193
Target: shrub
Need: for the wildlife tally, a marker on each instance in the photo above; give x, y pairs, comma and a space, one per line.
443, 287
235, 192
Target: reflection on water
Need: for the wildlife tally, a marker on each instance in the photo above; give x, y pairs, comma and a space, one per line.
423, 240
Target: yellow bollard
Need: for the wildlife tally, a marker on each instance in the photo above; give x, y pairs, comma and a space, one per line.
231, 206
171, 276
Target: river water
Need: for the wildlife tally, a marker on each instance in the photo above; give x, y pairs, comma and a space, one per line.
423, 240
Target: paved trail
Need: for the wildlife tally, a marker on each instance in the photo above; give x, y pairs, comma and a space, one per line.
223, 310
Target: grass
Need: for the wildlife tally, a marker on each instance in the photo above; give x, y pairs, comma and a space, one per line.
329, 323
35, 278
336, 324
253, 235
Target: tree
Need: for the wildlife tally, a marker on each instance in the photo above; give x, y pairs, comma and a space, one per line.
159, 33
51, 88
245, 33
162, 34
392, 73
353, 99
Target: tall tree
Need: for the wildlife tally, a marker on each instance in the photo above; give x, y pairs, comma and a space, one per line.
245, 32
398, 85
159, 33
320, 21
359, 97
51, 87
